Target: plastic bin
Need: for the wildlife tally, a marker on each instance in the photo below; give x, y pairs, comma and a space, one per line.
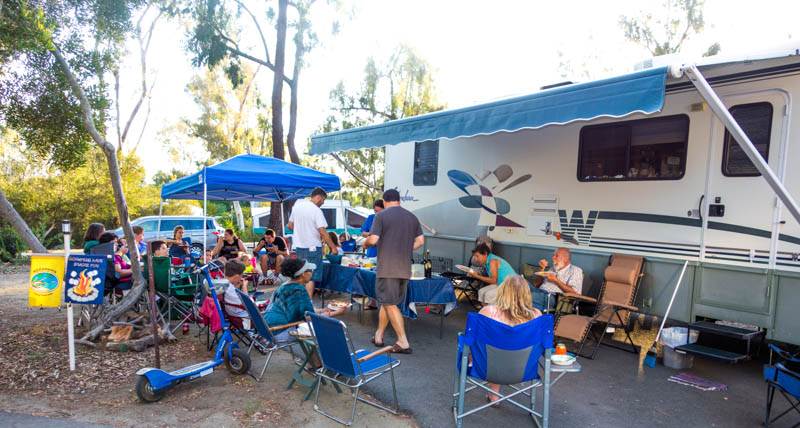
673, 337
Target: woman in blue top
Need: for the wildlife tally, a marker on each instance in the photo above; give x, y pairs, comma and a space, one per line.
290, 301
497, 268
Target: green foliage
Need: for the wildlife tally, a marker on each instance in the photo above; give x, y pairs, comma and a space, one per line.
665, 32
401, 87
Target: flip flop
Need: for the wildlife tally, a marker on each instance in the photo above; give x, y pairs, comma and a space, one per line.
489, 400
396, 349
378, 345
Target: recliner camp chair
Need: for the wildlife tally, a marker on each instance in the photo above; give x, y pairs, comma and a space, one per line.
504, 355
613, 305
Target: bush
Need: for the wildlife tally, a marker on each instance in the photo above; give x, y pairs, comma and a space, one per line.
11, 245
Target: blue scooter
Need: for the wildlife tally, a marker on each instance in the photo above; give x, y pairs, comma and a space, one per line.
153, 383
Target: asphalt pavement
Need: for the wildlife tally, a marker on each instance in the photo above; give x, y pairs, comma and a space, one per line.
609, 392
19, 420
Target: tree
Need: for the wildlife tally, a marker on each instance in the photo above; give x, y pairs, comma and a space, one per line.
401, 87
65, 52
213, 41
668, 30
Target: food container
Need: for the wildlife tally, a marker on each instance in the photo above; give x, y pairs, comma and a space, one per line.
417, 270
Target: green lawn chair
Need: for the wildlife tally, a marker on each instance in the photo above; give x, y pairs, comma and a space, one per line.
177, 291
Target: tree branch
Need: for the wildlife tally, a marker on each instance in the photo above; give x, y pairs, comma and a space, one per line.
260, 61
355, 173
258, 27
242, 102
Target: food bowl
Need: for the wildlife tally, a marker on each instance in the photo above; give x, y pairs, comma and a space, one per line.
562, 360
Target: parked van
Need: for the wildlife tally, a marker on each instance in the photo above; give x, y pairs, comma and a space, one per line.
192, 228
331, 209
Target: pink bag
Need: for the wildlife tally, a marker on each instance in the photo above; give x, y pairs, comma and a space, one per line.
209, 315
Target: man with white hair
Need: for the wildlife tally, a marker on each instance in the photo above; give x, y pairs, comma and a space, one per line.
562, 277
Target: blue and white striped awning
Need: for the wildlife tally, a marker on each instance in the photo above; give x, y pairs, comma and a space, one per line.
640, 92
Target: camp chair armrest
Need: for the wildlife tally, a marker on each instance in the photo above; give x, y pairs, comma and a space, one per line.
383, 350
783, 354
619, 305
291, 324
579, 297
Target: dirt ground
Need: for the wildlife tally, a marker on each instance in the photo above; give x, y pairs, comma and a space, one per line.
35, 379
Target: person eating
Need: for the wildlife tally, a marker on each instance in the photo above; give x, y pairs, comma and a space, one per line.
228, 246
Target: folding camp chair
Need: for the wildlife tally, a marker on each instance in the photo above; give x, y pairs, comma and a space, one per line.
112, 277
613, 306
263, 330
344, 365
781, 378
177, 291
504, 355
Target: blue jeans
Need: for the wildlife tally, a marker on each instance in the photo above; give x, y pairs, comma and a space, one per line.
540, 299
312, 257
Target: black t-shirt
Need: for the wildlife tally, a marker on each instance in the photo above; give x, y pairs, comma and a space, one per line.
228, 249
278, 242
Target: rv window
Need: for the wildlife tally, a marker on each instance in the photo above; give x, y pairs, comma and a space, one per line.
756, 121
426, 162
354, 219
263, 221
646, 149
330, 217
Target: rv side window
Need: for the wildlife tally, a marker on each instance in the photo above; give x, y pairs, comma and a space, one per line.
330, 217
426, 162
756, 121
645, 149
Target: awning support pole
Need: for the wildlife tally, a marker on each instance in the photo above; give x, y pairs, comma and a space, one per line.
205, 213
158, 228
750, 150
283, 228
344, 216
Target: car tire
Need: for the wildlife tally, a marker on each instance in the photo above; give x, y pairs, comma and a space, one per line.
197, 250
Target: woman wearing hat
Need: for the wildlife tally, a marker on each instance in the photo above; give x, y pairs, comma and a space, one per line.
290, 301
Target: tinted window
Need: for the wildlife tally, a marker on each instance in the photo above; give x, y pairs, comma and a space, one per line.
355, 219
756, 122
426, 162
149, 226
193, 224
169, 224
263, 221
210, 225
330, 217
646, 149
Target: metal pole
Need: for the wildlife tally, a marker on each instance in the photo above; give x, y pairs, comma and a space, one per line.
205, 213
344, 216
747, 146
153, 308
65, 228
158, 229
283, 228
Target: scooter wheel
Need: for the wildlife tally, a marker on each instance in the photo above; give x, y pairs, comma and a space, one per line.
239, 362
145, 391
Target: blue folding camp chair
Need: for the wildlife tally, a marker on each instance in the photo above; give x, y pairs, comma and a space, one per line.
780, 378
260, 325
345, 366
504, 355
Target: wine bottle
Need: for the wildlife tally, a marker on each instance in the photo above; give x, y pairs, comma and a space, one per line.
427, 262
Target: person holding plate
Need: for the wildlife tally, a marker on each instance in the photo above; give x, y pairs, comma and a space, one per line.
563, 277
496, 267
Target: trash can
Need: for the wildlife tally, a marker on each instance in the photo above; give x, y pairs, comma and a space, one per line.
673, 337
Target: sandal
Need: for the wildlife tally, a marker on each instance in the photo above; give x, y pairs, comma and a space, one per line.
396, 349
489, 400
376, 343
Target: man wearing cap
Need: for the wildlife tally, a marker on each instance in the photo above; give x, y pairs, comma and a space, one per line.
397, 233
290, 301
308, 225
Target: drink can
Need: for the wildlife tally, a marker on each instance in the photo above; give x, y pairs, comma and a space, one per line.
185, 328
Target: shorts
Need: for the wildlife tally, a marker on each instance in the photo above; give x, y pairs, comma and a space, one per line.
390, 291
312, 257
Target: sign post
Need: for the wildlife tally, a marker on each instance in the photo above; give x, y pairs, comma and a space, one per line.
65, 229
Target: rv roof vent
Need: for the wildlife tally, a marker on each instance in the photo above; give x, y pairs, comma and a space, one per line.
556, 85
660, 61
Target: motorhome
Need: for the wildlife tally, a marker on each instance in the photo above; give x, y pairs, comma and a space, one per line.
667, 162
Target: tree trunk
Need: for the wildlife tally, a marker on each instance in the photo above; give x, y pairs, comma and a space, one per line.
107, 316
237, 207
9, 214
277, 82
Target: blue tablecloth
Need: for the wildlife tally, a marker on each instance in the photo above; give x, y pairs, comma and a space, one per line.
436, 290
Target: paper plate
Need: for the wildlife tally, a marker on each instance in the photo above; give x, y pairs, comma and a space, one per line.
562, 360
334, 307
462, 267
542, 273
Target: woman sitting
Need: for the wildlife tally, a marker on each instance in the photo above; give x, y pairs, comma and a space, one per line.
290, 301
335, 240
511, 306
177, 248
92, 236
228, 246
120, 265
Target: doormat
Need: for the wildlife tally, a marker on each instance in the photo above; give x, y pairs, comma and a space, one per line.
697, 382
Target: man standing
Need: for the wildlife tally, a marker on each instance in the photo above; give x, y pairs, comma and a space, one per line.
397, 233
367, 226
563, 277
308, 225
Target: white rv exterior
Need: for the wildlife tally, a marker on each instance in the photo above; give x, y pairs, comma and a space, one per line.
525, 188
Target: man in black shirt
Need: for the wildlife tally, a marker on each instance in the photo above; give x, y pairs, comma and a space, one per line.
271, 250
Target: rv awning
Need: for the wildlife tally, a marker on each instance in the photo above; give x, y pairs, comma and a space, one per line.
251, 178
641, 92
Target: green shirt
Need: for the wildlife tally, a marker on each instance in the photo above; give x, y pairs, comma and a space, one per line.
289, 304
88, 245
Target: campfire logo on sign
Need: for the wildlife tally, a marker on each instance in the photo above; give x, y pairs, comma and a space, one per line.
85, 279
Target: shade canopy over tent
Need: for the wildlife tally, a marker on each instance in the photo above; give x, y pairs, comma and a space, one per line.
641, 92
250, 178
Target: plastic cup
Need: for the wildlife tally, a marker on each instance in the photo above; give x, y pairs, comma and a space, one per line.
561, 349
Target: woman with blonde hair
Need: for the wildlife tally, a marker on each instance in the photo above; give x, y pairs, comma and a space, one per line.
511, 306
177, 248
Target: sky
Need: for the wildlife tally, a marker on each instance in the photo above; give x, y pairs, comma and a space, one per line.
481, 51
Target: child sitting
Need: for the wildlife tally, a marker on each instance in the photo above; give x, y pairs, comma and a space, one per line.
234, 269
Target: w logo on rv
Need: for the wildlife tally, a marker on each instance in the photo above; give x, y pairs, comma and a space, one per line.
576, 230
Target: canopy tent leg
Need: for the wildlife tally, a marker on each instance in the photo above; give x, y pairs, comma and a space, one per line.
344, 216
741, 138
205, 214
283, 228
158, 228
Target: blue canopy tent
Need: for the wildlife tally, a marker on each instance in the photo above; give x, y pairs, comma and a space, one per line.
248, 178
